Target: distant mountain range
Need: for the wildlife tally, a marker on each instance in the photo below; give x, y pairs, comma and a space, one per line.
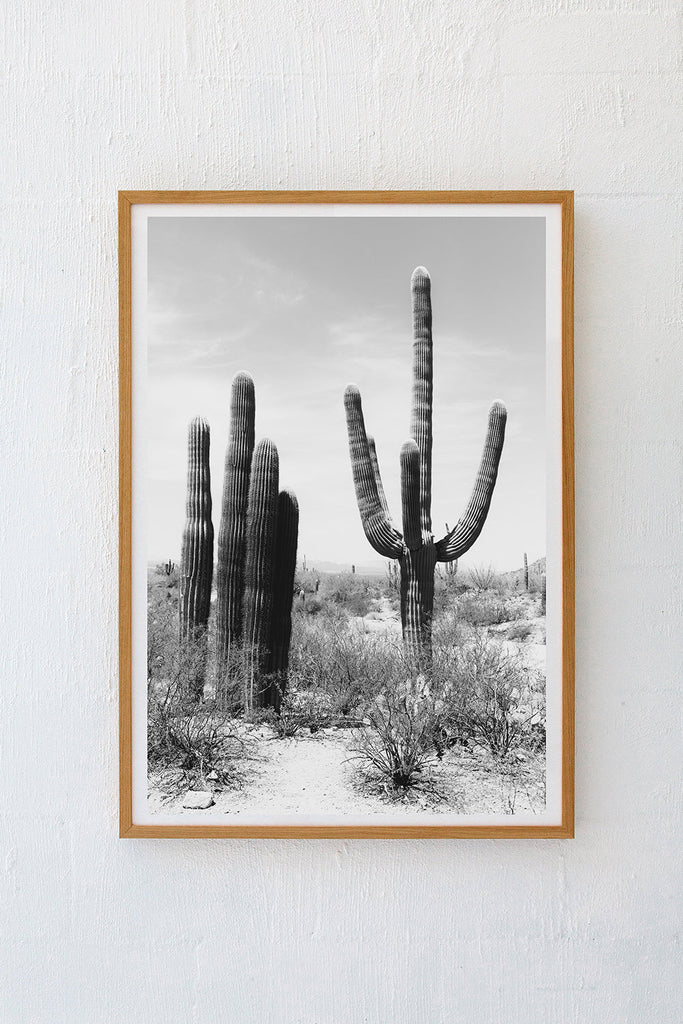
362, 569
378, 568
536, 568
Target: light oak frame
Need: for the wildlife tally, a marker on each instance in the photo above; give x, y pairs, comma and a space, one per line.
127, 828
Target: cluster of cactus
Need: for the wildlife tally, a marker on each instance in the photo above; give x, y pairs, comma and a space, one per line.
169, 567
257, 544
255, 567
259, 528
415, 549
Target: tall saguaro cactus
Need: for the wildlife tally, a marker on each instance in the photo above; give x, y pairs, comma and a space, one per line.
415, 548
232, 532
197, 558
283, 590
261, 532
256, 563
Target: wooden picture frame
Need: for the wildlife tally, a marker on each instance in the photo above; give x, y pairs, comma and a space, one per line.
404, 211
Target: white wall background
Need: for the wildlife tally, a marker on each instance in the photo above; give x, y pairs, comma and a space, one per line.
344, 94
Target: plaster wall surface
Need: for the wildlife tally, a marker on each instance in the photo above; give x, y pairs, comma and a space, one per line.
351, 94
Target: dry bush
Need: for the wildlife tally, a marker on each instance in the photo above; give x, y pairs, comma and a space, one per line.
351, 592
398, 743
495, 697
519, 631
483, 578
329, 657
486, 609
186, 740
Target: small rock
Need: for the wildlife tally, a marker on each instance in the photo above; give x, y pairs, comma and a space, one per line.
198, 800
212, 776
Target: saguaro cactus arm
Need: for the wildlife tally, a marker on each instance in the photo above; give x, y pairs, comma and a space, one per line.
378, 480
383, 536
463, 535
422, 394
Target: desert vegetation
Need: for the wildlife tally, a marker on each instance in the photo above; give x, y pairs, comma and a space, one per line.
470, 736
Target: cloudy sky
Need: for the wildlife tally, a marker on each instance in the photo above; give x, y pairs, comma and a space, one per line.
307, 305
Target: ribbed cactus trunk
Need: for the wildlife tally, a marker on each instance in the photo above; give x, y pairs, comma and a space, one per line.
417, 603
526, 572
283, 593
256, 564
261, 536
232, 539
196, 561
414, 548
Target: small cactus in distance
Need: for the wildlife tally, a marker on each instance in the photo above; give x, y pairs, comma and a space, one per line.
526, 573
415, 548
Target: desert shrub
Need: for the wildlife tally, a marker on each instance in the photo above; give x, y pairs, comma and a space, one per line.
484, 609
187, 665
313, 606
187, 742
329, 657
448, 632
492, 698
519, 631
403, 721
298, 710
358, 604
483, 578
351, 592
185, 739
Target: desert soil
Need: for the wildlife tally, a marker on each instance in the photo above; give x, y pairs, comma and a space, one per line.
314, 774
318, 774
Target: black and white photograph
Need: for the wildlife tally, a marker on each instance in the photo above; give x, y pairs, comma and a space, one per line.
347, 551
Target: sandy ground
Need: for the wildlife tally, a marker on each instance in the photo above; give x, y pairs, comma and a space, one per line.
318, 774
313, 774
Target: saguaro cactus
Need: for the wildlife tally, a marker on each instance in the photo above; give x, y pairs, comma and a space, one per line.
258, 571
232, 532
526, 572
256, 563
283, 590
415, 548
197, 559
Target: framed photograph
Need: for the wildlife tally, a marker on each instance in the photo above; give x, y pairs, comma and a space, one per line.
346, 514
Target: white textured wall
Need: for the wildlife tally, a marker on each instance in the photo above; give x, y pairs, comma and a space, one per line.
335, 94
